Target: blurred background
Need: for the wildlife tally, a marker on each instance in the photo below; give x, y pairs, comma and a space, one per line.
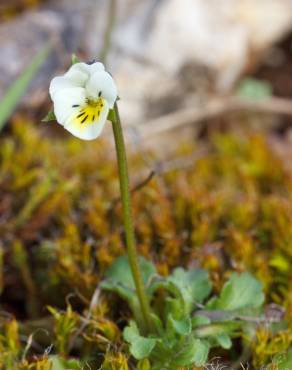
176, 61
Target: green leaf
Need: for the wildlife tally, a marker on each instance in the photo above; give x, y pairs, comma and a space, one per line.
59, 363
181, 327
140, 347
213, 330
74, 59
157, 324
193, 352
120, 274
119, 279
201, 352
224, 340
193, 286
19, 86
251, 88
199, 320
49, 117
239, 292
284, 361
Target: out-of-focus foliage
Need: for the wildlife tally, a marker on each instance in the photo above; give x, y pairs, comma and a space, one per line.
60, 230
18, 87
9, 9
250, 88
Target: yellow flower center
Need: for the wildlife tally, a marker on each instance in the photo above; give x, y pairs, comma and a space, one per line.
90, 112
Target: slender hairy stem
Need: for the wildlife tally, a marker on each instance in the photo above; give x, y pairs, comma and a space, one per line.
127, 216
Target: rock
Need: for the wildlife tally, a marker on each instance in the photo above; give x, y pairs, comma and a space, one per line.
61, 23
161, 50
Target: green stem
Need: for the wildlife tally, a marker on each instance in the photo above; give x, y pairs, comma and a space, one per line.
111, 18
127, 216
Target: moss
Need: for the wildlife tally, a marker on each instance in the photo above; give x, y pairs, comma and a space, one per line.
61, 228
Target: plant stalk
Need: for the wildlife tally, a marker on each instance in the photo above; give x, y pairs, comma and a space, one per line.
111, 20
127, 217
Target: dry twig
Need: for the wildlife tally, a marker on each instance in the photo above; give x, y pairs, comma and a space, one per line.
215, 108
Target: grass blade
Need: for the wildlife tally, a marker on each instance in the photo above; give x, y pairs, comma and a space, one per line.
19, 86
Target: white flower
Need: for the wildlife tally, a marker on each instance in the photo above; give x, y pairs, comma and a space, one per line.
82, 98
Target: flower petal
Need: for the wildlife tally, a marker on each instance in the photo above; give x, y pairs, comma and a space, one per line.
102, 82
59, 83
67, 102
87, 131
95, 67
78, 73
77, 76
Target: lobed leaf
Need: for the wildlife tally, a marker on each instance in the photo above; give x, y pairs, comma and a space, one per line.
181, 327
193, 352
119, 279
140, 347
120, 273
239, 292
224, 340
193, 286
